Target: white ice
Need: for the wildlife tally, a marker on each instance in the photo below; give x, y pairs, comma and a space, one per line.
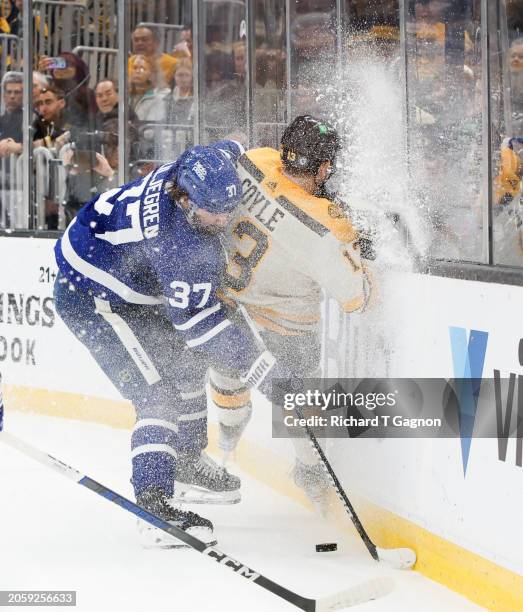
55, 534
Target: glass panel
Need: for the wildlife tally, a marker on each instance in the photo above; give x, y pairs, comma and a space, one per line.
313, 56
74, 130
270, 79
223, 66
160, 83
445, 125
368, 107
506, 98
13, 213
374, 26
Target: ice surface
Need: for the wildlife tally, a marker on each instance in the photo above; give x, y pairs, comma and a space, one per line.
58, 535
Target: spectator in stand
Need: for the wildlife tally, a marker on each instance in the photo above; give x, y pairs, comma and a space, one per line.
51, 128
73, 82
15, 19
4, 25
148, 102
147, 99
12, 144
11, 120
179, 110
40, 81
106, 95
179, 104
145, 42
106, 118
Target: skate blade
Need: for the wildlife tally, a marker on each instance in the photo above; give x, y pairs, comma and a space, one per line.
191, 494
152, 538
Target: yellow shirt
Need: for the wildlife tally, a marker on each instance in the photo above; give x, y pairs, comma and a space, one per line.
166, 65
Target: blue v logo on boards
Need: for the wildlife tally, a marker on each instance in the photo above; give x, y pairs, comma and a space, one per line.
468, 357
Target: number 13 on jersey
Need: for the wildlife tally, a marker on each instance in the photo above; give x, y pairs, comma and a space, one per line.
246, 231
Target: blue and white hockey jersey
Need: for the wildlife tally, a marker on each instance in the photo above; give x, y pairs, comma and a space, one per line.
133, 244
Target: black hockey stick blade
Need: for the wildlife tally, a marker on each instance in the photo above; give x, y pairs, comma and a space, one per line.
398, 558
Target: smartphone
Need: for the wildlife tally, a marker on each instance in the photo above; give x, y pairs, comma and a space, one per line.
57, 63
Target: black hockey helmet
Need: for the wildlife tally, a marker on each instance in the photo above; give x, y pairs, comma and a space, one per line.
307, 143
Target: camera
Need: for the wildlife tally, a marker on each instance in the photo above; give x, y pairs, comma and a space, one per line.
93, 141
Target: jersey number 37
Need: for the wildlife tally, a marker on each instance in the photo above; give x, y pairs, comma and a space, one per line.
183, 291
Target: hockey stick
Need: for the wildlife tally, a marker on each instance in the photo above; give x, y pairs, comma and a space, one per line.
358, 594
399, 558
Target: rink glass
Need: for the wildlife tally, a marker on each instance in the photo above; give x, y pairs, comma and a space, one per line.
257, 64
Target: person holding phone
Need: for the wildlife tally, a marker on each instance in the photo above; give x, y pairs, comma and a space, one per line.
70, 74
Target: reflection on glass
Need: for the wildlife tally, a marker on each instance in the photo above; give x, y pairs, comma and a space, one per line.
507, 133
444, 79
160, 74
224, 64
13, 213
313, 57
270, 79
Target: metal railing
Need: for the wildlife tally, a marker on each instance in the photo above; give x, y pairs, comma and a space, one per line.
101, 30
10, 53
50, 187
102, 62
160, 11
58, 26
14, 213
164, 141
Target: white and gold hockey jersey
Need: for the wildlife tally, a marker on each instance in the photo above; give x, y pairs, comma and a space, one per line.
284, 246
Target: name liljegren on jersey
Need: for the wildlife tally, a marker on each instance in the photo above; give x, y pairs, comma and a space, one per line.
151, 207
268, 213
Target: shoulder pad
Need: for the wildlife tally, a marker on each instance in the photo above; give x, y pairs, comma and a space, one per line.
318, 213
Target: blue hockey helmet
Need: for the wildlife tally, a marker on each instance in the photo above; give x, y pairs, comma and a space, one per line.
209, 178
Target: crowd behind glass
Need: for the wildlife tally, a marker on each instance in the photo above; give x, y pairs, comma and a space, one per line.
75, 109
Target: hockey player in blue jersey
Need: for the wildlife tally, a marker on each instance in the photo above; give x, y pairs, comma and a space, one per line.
138, 272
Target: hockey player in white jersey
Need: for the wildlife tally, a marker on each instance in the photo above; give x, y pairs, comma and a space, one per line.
286, 243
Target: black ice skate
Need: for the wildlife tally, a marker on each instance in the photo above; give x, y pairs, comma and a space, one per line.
155, 501
200, 480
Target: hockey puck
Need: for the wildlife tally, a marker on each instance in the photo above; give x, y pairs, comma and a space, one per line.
326, 547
